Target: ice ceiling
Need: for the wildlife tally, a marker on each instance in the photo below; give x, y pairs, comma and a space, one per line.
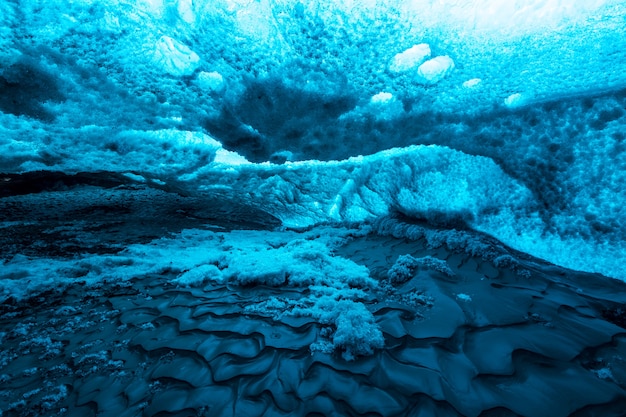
505, 117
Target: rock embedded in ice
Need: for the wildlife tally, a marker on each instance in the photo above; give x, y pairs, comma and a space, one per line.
211, 81
434, 70
410, 58
175, 58
381, 98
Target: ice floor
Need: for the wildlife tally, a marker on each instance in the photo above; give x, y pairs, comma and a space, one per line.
494, 333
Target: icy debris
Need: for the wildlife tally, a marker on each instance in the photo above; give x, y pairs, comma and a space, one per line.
199, 275
406, 266
506, 262
434, 70
381, 98
333, 287
410, 58
211, 81
355, 330
175, 58
417, 298
474, 82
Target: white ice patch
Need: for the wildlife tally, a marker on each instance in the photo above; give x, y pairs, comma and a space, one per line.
381, 98
474, 82
198, 276
464, 297
174, 57
436, 69
211, 81
410, 59
185, 11
514, 100
229, 158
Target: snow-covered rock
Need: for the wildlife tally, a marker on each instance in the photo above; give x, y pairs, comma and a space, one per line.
436, 69
411, 58
174, 57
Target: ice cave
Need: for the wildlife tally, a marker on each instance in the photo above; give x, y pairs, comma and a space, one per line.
313, 208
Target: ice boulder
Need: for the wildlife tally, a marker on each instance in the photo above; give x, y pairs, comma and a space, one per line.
434, 70
410, 58
175, 58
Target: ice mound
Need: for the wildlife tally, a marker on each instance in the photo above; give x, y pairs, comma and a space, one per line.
174, 57
410, 58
